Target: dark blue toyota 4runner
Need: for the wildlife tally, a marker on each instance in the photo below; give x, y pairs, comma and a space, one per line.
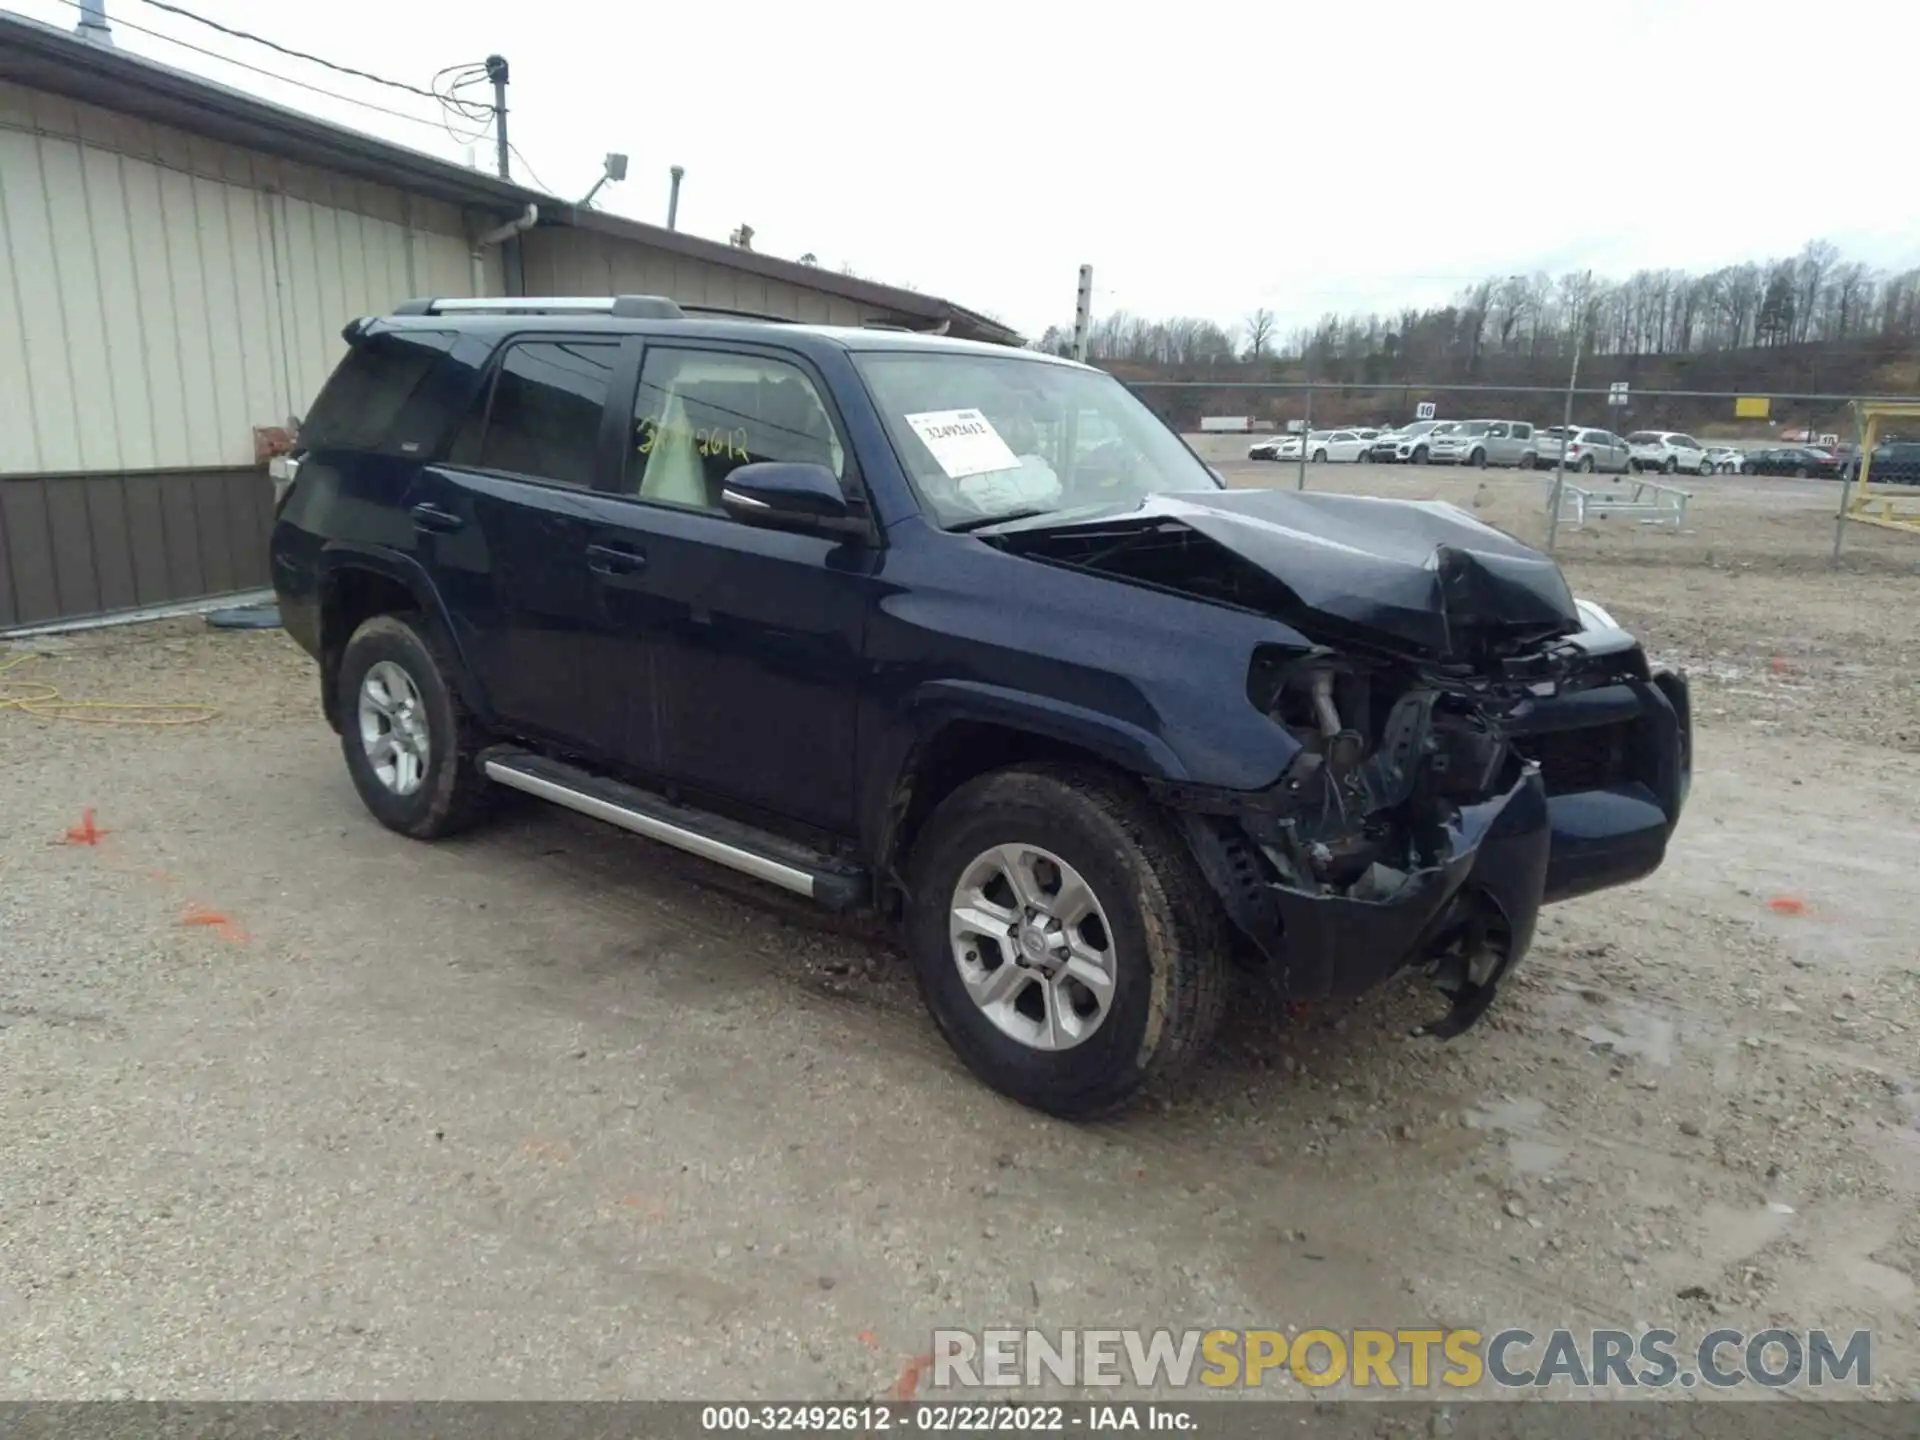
966, 634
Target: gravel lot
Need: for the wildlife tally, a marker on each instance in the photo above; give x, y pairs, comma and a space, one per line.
550, 1112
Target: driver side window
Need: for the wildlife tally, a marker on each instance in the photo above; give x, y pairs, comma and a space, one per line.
701, 414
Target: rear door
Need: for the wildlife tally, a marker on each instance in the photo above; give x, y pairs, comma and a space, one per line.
504, 523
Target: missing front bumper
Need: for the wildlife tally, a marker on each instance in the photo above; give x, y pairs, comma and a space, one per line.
1469, 918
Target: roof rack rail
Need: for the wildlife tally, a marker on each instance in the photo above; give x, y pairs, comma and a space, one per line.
626, 307
738, 314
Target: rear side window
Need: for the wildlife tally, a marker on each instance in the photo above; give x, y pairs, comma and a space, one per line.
366, 404
541, 416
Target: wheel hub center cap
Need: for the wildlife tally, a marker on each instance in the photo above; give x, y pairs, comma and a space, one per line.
1040, 940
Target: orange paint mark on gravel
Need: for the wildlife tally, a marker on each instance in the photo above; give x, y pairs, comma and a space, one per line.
222, 925
908, 1385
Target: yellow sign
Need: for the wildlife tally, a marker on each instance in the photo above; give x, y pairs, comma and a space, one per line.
1751, 407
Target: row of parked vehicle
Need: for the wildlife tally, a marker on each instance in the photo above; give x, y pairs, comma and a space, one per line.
1482, 443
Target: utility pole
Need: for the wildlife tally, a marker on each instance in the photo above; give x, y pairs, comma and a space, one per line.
1083, 314
497, 73
93, 23
1566, 429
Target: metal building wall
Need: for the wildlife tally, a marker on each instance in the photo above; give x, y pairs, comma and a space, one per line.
562, 261
160, 296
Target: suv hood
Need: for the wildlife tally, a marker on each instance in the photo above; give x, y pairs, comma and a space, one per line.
1406, 574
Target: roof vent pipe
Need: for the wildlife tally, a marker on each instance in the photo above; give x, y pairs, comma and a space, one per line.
673, 198
93, 22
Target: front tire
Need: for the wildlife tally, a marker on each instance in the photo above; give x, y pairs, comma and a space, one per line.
1319, 457
1478, 460
1420, 456
408, 741
1063, 938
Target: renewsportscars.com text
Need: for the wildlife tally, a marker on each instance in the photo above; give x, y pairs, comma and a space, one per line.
1405, 1360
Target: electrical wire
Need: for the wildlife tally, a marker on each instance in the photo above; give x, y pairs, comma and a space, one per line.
514, 150
450, 100
269, 74
50, 704
285, 50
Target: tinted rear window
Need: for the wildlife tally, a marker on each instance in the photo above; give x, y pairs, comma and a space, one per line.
542, 418
360, 407
1643, 437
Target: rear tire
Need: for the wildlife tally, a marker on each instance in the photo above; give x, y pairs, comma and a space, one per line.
1529, 461
1586, 465
410, 707
1800, 472
1165, 953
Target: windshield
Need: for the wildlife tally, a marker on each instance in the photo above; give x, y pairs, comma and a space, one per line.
983, 436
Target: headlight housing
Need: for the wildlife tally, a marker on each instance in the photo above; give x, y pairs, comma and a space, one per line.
1593, 616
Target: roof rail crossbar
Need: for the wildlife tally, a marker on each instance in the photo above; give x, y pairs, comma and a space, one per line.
628, 307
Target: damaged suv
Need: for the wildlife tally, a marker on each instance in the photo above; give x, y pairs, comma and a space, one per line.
964, 634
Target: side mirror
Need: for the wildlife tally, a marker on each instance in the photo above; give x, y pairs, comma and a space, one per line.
789, 494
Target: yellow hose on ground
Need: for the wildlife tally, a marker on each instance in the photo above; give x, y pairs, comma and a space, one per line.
50, 704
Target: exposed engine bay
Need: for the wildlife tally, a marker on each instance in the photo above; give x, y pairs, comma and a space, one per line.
1452, 704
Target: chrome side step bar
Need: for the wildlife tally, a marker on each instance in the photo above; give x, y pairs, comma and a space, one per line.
754, 852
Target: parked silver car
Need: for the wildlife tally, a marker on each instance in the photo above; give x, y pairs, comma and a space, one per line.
1587, 449
1486, 442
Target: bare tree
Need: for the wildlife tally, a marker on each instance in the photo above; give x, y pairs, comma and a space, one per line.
1258, 328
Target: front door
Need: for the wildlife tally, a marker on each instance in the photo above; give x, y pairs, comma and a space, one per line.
505, 522
757, 634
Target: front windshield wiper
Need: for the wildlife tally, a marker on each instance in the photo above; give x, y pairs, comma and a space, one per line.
980, 522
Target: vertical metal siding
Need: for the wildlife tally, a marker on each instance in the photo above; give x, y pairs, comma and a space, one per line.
85, 544
161, 295
585, 262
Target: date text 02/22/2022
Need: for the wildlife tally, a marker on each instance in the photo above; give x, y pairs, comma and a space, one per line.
933, 1417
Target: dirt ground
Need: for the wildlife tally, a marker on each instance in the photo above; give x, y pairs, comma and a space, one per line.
292, 1107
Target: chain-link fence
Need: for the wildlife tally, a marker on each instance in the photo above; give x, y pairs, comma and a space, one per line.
1676, 476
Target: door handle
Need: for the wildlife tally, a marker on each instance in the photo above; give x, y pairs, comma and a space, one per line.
439, 522
615, 560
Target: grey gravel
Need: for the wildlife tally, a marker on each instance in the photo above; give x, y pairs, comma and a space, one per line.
548, 1112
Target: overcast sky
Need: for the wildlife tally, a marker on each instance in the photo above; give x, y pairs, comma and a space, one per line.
1206, 158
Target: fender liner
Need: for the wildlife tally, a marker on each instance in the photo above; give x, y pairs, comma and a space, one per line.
337, 556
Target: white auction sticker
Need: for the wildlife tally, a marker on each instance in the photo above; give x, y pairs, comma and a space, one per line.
964, 442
